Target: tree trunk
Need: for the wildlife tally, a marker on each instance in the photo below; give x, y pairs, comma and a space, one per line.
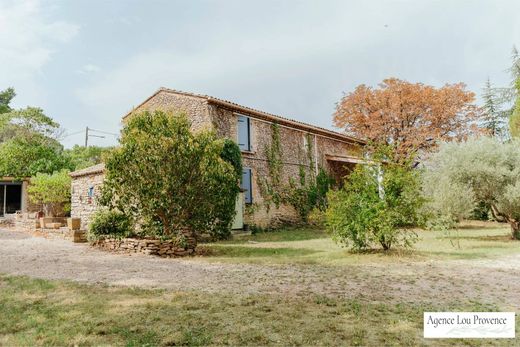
497, 215
515, 229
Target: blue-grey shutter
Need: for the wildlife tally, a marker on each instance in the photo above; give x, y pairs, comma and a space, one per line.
246, 185
243, 133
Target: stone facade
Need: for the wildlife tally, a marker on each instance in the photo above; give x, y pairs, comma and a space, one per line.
332, 151
85, 190
211, 113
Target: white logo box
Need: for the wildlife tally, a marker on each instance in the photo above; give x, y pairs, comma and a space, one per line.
469, 325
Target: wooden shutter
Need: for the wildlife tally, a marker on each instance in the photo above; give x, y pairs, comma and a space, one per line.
247, 185
243, 129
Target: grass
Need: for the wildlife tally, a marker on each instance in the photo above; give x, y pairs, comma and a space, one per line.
40, 312
313, 246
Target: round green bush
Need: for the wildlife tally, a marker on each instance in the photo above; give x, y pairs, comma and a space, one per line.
109, 223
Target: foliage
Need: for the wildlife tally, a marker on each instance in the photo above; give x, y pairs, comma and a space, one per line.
494, 119
308, 194
505, 99
462, 175
5, 99
28, 141
409, 116
514, 120
171, 179
271, 185
305, 194
81, 157
231, 153
109, 223
26, 156
316, 217
52, 191
376, 205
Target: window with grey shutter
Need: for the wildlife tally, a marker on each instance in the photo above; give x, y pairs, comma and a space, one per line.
246, 185
244, 133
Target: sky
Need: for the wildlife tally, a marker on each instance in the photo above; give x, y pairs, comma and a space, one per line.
88, 62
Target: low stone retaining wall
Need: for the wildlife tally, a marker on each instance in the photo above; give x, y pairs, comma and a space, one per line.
166, 249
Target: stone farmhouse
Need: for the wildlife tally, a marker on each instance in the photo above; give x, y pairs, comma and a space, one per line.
302, 146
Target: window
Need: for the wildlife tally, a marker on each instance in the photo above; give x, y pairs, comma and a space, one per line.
244, 133
246, 185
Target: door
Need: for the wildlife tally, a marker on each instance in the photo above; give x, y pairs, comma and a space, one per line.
238, 222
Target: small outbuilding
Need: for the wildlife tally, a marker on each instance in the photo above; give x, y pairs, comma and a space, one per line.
86, 185
14, 197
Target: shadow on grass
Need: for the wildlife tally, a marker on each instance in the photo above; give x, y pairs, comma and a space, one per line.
457, 254
245, 252
500, 238
482, 225
393, 252
281, 235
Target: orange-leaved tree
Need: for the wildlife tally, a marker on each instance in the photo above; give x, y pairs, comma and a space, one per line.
409, 117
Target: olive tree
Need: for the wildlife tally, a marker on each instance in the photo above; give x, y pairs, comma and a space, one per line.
377, 205
460, 175
170, 180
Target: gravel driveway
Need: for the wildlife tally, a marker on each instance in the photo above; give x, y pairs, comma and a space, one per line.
488, 281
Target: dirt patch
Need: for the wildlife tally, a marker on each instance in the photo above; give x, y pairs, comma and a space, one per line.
494, 281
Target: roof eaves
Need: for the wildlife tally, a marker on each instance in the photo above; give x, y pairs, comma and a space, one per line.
284, 120
261, 114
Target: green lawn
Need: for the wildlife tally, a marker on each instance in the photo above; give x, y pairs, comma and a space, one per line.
39, 312
313, 246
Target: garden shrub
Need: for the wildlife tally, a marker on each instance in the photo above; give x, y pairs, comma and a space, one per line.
109, 223
309, 194
171, 180
51, 191
371, 209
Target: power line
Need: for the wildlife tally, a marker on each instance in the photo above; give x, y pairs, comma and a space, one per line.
71, 134
103, 132
88, 133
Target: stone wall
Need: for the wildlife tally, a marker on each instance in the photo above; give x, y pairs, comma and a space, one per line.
166, 249
82, 205
294, 144
196, 109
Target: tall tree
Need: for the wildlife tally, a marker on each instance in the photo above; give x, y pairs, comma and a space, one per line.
5, 99
494, 118
506, 98
28, 140
408, 116
81, 157
514, 119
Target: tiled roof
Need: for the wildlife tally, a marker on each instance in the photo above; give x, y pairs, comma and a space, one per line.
98, 168
260, 114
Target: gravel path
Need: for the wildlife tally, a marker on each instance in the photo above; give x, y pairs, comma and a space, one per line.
487, 281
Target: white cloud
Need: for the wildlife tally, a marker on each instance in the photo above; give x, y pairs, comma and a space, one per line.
28, 39
88, 69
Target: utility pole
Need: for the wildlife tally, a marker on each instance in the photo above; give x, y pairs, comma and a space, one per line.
88, 134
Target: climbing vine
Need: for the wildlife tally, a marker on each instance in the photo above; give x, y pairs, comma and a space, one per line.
271, 186
305, 195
